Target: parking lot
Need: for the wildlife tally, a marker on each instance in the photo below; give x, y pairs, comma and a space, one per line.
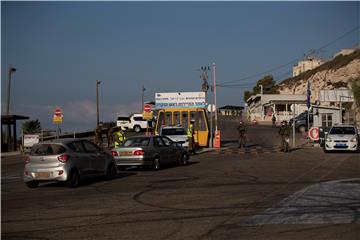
232, 194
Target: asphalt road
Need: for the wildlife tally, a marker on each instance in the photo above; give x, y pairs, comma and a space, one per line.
220, 195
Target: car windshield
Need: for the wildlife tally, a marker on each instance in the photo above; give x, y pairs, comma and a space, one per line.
343, 130
47, 149
137, 142
173, 131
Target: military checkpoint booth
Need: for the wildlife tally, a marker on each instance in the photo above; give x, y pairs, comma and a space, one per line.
8, 132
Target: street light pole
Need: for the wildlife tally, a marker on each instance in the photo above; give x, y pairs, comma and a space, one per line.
142, 98
97, 102
11, 70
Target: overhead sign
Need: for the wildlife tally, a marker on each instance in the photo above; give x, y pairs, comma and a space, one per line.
314, 133
180, 100
147, 108
58, 116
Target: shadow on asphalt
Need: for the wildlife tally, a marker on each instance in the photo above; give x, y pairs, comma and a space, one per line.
85, 182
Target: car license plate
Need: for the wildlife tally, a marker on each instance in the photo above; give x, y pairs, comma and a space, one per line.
126, 153
42, 175
340, 145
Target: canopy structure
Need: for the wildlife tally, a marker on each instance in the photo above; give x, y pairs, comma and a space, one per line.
8, 139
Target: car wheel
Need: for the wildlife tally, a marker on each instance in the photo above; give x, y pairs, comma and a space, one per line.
73, 179
302, 129
184, 159
121, 168
156, 164
137, 129
32, 184
111, 172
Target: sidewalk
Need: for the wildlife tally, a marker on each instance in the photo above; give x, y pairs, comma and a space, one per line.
9, 154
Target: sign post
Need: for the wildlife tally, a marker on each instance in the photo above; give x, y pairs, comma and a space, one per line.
293, 123
147, 115
308, 103
57, 119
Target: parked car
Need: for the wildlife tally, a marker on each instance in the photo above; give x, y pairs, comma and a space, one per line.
342, 137
67, 160
134, 122
149, 151
176, 134
301, 121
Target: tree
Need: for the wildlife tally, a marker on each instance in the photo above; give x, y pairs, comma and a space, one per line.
247, 94
268, 84
355, 87
31, 126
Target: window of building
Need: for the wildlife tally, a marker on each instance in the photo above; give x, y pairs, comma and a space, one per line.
326, 119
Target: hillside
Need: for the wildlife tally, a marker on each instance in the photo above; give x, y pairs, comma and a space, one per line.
330, 75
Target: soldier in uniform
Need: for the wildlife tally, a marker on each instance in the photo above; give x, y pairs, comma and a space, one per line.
98, 135
273, 120
284, 132
119, 137
242, 134
190, 135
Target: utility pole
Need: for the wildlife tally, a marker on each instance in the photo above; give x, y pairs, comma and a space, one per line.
97, 102
204, 77
11, 70
214, 74
261, 101
293, 123
142, 98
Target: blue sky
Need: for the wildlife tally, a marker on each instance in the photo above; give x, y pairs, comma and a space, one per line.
60, 49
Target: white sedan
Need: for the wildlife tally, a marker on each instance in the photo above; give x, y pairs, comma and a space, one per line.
342, 138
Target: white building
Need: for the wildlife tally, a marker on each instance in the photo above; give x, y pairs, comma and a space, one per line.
261, 107
345, 51
305, 65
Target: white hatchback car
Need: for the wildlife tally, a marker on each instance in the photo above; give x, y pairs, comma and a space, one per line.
176, 134
344, 137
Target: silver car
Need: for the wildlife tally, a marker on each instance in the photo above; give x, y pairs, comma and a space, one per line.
149, 151
176, 134
67, 160
342, 137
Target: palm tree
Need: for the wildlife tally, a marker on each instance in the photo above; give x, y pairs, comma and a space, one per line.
31, 126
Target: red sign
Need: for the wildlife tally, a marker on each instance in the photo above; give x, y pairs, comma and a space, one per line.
147, 108
58, 112
314, 133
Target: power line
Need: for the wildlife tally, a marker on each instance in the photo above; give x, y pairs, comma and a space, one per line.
290, 62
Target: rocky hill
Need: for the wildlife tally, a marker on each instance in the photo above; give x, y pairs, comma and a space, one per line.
333, 74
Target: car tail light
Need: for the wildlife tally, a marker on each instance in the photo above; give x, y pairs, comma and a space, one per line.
27, 160
114, 153
139, 152
63, 158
